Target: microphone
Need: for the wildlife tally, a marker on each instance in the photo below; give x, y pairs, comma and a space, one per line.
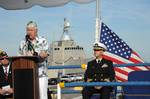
27, 37
30, 47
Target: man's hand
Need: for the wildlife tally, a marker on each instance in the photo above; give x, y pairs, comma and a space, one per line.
106, 80
10, 91
29, 53
98, 87
2, 92
43, 54
89, 80
6, 91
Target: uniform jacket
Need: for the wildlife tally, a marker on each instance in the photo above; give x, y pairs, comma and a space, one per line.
97, 72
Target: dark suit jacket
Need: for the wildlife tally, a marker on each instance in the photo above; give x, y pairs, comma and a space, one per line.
99, 71
4, 82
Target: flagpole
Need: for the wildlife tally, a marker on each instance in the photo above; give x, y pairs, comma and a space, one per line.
97, 24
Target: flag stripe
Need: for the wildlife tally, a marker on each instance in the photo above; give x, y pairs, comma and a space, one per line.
142, 68
136, 57
134, 60
136, 54
121, 77
121, 71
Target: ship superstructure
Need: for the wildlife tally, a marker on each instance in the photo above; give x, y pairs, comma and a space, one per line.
65, 52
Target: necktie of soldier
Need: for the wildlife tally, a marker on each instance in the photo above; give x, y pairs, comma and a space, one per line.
99, 61
6, 73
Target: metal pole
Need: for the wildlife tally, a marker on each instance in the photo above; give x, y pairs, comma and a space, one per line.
58, 92
97, 26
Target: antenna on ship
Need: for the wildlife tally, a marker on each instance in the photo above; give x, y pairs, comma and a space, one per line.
65, 35
66, 25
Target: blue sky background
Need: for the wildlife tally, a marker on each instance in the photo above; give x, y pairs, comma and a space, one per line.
130, 19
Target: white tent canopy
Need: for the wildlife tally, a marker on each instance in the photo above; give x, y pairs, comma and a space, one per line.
24, 4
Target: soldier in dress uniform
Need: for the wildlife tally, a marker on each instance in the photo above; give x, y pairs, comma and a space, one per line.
99, 70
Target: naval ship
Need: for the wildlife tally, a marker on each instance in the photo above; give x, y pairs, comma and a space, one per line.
65, 52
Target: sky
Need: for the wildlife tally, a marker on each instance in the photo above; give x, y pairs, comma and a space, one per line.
129, 19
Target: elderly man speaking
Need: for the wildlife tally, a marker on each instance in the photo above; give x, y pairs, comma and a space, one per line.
32, 45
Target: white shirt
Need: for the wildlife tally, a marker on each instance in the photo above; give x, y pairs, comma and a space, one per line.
98, 60
39, 44
4, 68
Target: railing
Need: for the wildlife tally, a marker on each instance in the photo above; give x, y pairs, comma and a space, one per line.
84, 66
73, 84
134, 83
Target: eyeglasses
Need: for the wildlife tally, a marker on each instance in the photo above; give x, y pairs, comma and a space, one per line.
3, 58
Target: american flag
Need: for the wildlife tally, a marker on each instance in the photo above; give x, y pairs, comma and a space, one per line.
120, 53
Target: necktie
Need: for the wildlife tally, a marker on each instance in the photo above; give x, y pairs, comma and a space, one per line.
99, 61
6, 73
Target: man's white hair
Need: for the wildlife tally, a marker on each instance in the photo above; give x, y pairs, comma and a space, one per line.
31, 24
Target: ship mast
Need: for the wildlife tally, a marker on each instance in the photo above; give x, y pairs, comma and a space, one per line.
65, 35
66, 25
97, 23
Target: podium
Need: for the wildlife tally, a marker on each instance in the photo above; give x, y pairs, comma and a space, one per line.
25, 77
